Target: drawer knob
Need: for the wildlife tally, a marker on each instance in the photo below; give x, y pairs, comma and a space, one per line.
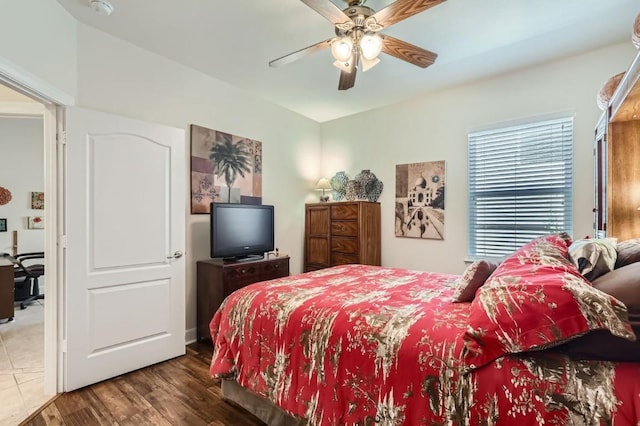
276, 266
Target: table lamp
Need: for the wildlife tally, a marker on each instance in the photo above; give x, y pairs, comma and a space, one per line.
323, 184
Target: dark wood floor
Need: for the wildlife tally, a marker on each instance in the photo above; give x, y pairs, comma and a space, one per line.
175, 392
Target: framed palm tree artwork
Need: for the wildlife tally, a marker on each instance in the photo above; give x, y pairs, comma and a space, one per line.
225, 168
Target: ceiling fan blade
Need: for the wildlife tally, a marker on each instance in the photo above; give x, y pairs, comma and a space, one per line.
327, 9
408, 52
287, 59
348, 79
402, 9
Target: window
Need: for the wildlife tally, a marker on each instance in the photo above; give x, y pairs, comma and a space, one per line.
520, 185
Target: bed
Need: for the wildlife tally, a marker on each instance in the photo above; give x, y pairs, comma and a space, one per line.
365, 345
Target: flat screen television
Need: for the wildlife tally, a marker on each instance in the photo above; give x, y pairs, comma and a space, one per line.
241, 231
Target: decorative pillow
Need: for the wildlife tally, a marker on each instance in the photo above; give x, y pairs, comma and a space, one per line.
594, 257
537, 299
628, 252
623, 284
472, 279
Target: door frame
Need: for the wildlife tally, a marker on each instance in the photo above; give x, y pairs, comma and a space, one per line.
54, 101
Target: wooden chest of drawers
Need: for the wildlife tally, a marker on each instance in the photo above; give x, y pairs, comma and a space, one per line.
217, 279
341, 233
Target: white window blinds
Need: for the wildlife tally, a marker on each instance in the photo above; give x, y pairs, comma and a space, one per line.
520, 185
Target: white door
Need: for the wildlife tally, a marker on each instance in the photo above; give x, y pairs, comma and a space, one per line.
125, 231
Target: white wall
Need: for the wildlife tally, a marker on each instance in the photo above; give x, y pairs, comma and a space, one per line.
120, 78
39, 38
435, 126
21, 172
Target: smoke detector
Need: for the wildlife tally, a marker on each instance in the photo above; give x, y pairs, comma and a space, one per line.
101, 7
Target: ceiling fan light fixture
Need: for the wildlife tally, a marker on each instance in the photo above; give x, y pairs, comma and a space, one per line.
357, 42
371, 45
341, 48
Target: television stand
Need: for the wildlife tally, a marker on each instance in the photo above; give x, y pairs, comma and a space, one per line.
248, 258
216, 279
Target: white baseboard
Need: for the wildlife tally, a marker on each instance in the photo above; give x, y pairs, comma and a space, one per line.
191, 336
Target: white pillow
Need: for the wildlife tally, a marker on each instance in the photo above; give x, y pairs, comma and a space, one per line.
594, 256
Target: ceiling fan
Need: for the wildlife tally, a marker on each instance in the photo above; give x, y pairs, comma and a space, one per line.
358, 40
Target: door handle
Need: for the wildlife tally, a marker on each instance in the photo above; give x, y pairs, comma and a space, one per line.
177, 255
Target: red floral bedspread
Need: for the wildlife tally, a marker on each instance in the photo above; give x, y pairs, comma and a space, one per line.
364, 345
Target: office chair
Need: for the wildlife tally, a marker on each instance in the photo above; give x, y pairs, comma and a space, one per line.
26, 274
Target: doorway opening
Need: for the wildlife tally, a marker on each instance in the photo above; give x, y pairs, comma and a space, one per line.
27, 97
22, 241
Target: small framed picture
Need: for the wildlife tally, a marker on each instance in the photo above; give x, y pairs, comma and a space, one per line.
3, 225
37, 200
35, 222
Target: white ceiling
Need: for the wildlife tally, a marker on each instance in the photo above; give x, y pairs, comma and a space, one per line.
233, 41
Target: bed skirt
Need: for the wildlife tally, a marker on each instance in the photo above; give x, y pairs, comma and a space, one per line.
263, 409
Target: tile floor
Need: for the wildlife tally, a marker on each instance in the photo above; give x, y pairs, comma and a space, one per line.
22, 364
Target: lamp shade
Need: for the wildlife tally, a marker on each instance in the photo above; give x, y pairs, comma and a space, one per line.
343, 66
367, 64
341, 48
371, 45
323, 183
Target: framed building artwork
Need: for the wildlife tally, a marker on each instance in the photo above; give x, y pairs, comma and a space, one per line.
420, 200
3, 225
224, 168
